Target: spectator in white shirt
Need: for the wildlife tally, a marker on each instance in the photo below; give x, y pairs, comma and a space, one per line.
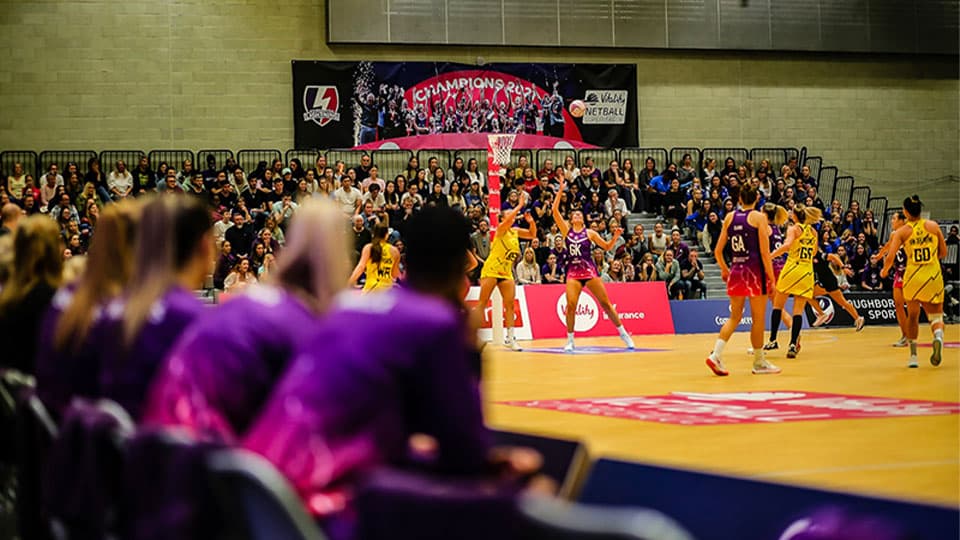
120, 181
614, 202
283, 210
374, 195
348, 197
220, 228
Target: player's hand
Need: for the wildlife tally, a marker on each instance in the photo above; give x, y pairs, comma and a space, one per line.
724, 274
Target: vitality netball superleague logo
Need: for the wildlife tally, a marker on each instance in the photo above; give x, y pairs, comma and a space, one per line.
321, 104
587, 312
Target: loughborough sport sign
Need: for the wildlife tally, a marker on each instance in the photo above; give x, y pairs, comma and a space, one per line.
346, 104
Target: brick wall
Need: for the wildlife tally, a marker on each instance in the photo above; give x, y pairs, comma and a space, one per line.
196, 73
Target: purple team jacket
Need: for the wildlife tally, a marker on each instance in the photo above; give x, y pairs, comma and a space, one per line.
224, 367
377, 369
125, 373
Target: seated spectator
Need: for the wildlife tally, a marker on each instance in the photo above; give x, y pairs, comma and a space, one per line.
159, 305
629, 270
870, 231
552, 272
870, 279
528, 271
419, 376
348, 197
540, 251
240, 235
221, 372
647, 269
691, 272
681, 250
241, 276
65, 204
10, 215
600, 260
657, 242
120, 181
668, 271
27, 292
614, 273
614, 203
225, 264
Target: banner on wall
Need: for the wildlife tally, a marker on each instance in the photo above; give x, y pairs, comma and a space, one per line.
876, 307
349, 104
707, 316
539, 311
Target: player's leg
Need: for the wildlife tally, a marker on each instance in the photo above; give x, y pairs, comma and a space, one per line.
838, 297
595, 286
798, 304
913, 329
758, 308
901, 312
508, 291
935, 314
573, 296
779, 301
715, 360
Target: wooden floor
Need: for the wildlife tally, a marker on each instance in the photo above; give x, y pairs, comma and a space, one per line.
913, 457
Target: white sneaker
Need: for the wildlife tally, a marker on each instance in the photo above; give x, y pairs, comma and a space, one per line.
913, 362
716, 365
765, 368
821, 319
628, 341
902, 342
750, 351
568, 347
512, 345
860, 322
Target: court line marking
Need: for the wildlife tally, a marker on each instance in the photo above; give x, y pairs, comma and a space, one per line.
853, 468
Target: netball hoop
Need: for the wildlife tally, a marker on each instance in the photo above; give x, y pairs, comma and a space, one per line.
498, 159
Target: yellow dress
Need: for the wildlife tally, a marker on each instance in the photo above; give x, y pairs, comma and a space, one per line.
797, 276
380, 275
922, 280
504, 252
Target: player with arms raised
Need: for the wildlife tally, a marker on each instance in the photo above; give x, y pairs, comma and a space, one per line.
498, 268
747, 232
923, 243
581, 272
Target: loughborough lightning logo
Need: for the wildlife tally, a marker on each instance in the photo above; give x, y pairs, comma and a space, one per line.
321, 104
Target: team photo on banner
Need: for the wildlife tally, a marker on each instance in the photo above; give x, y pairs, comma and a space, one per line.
441, 104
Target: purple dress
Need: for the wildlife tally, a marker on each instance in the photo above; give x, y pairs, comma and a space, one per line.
579, 263
222, 370
377, 369
63, 375
126, 372
746, 271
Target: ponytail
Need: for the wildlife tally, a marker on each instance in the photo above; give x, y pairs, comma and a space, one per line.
376, 246
913, 206
807, 214
776, 214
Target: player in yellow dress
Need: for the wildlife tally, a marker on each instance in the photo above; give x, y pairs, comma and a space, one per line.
380, 262
797, 277
923, 243
497, 270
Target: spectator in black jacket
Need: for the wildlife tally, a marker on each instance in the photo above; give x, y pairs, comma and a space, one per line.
240, 236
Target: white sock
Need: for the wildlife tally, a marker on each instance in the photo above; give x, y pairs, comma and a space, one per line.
758, 355
718, 348
569, 337
622, 331
938, 334
510, 333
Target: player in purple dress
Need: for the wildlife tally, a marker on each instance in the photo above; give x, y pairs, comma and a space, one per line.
66, 355
173, 254
581, 272
748, 277
223, 369
351, 401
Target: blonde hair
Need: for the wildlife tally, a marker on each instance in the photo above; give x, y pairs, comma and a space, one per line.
106, 273
807, 214
37, 259
313, 263
775, 213
170, 230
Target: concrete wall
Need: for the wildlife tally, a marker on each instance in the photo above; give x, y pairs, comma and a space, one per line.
216, 73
